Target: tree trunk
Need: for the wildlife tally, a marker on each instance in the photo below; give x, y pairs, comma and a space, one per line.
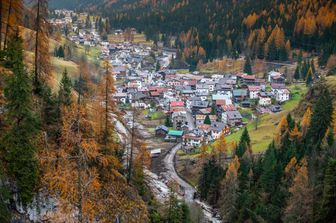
37, 44
1, 24
7, 25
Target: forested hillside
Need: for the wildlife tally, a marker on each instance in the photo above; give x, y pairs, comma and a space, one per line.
55, 152
291, 182
262, 29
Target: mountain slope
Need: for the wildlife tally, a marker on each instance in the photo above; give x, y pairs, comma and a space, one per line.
263, 29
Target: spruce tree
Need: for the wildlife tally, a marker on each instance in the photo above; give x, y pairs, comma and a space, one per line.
207, 120
247, 66
18, 141
328, 207
64, 93
244, 143
321, 119
297, 73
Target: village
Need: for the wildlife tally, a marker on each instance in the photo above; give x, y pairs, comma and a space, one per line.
195, 108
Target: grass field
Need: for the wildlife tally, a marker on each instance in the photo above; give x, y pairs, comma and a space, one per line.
267, 125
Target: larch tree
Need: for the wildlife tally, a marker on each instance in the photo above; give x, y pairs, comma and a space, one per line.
42, 66
13, 9
306, 119
220, 149
229, 192
299, 206
19, 142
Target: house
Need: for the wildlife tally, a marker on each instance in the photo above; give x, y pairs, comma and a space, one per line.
220, 97
275, 108
217, 128
179, 119
191, 101
265, 99
232, 118
173, 82
174, 136
193, 139
198, 105
121, 97
161, 130
239, 94
280, 92
282, 95
202, 90
276, 77
254, 91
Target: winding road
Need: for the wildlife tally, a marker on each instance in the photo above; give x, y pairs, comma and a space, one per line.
159, 185
189, 191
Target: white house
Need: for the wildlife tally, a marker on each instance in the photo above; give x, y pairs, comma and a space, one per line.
254, 91
264, 99
282, 95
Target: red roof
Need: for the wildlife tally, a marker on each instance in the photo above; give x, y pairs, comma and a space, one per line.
189, 82
229, 107
177, 104
220, 102
248, 77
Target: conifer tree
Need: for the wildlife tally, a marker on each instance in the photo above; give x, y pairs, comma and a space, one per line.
321, 119
300, 203
328, 208
297, 73
64, 93
229, 192
244, 143
248, 66
207, 120
42, 58
19, 140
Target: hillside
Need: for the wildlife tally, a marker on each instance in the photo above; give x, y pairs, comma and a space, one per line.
262, 29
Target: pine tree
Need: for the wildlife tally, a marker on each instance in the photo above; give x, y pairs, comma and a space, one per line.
247, 66
300, 203
19, 140
328, 208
